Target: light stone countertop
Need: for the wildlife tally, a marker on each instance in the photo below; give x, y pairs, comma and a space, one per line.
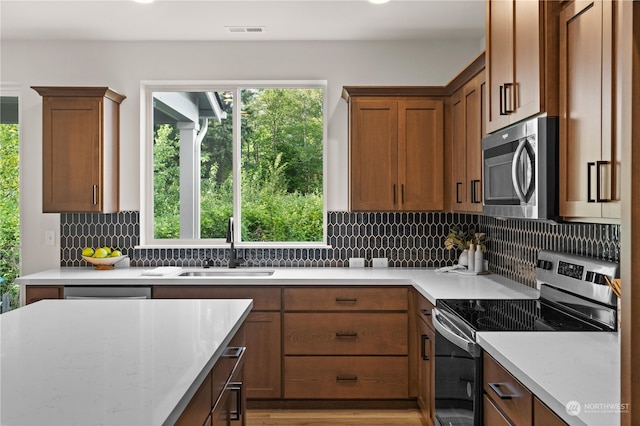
110, 362
580, 370
428, 282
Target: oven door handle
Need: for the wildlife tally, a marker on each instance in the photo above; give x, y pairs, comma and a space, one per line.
450, 332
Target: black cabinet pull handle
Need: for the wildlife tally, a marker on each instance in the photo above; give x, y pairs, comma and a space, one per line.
458, 184
426, 312
394, 193
502, 101
599, 165
507, 98
474, 191
95, 194
350, 334
346, 378
402, 193
236, 387
589, 166
346, 300
496, 388
423, 349
234, 352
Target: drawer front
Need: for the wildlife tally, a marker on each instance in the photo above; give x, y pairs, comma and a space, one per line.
543, 416
264, 298
346, 377
199, 407
491, 415
507, 393
346, 299
345, 334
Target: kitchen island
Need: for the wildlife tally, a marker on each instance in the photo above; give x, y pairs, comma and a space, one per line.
110, 362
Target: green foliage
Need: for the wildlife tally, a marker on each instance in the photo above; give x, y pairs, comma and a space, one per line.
9, 211
281, 170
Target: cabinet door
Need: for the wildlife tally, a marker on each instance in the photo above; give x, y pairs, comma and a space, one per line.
263, 364
374, 154
585, 103
420, 154
467, 117
71, 154
473, 110
425, 372
499, 61
528, 58
459, 152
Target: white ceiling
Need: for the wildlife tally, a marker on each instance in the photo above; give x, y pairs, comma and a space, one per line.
207, 20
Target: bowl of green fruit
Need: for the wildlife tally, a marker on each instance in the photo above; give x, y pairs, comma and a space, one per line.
102, 257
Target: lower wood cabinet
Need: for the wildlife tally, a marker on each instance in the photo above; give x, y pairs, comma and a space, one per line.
506, 401
425, 340
35, 293
219, 400
346, 343
263, 332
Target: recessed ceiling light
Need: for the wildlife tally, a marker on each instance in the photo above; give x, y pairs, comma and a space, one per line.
143, 1
378, 1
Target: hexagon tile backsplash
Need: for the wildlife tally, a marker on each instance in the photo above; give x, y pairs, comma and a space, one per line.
407, 239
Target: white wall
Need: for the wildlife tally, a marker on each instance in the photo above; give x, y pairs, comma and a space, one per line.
122, 65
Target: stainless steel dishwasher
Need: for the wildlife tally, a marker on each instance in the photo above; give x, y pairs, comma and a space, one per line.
107, 292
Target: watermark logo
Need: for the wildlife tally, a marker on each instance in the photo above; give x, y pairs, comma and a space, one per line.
573, 408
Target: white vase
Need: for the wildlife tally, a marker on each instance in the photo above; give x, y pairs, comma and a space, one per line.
463, 260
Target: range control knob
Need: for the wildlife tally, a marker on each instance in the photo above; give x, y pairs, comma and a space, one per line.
544, 264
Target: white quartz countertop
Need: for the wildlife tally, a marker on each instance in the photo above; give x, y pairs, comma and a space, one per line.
576, 374
110, 362
428, 282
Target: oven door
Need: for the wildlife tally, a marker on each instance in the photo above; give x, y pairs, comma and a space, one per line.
458, 374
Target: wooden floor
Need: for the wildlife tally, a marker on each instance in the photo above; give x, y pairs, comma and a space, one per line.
408, 417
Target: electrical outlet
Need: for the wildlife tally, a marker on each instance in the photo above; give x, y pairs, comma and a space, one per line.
356, 262
49, 238
380, 262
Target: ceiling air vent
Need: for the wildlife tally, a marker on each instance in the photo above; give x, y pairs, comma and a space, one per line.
254, 30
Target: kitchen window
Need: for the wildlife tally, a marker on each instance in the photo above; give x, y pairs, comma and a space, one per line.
253, 151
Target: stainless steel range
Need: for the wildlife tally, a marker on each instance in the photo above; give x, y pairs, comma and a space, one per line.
574, 296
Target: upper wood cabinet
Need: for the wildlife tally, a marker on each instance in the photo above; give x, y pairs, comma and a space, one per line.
589, 153
80, 138
396, 153
522, 60
467, 130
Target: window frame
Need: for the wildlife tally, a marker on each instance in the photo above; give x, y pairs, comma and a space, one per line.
147, 88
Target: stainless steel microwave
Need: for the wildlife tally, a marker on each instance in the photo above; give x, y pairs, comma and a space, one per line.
520, 170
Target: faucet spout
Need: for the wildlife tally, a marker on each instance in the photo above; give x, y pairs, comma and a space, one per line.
234, 260
230, 236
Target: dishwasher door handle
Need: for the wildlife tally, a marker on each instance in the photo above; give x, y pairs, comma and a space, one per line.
451, 333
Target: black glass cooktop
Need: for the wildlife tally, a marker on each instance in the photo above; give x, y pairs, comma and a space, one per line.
514, 315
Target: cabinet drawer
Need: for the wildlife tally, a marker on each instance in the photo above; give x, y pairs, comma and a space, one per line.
543, 416
36, 293
346, 377
264, 298
199, 407
507, 393
345, 334
491, 415
346, 299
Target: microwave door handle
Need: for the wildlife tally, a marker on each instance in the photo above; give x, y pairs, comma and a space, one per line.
514, 170
447, 332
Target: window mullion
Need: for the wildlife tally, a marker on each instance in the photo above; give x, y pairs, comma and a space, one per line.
237, 151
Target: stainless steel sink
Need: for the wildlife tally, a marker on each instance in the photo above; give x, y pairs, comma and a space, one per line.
239, 273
